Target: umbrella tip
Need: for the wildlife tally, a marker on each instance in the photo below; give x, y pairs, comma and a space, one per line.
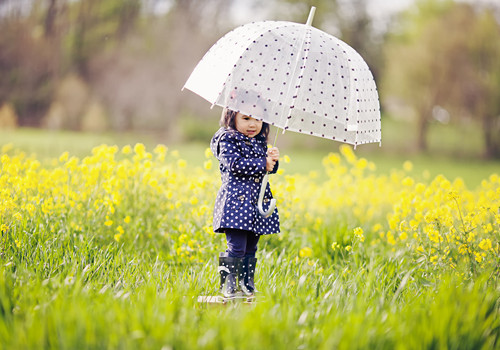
311, 16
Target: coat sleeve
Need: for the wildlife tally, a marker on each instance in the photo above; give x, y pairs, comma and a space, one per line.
231, 158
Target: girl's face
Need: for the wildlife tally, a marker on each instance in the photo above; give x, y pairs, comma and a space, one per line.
248, 126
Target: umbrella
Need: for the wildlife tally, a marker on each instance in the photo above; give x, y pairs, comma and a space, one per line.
293, 76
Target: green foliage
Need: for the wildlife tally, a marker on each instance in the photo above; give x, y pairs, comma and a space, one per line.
445, 56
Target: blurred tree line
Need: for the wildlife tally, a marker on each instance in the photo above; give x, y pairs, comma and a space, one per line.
99, 65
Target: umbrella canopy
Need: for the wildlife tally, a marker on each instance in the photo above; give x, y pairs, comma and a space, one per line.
292, 76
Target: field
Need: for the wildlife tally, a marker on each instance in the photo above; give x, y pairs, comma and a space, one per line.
108, 247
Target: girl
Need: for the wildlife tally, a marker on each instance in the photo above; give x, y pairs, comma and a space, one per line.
240, 145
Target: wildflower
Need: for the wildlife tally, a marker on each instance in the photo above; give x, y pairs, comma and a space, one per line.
390, 238
127, 149
335, 246
181, 163
7, 147
127, 219
408, 166
361, 164
208, 152
208, 164
286, 159
108, 221
161, 151
64, 157
485, 244
433, 259
140, 149
408, 181
358, 232
348, 248
348, 153
305, 252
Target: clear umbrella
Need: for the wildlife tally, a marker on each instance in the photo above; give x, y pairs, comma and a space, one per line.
295, 77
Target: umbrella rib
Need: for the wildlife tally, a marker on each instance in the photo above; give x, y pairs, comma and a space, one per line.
306, 44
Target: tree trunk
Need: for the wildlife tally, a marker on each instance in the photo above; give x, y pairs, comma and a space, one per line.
491, 134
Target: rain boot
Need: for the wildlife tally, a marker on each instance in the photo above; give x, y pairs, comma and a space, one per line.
228, 269
246, 276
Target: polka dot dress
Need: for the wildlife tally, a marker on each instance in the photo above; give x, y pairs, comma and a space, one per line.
295, 77
242, 163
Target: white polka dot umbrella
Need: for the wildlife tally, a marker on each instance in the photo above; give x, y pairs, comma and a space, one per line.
292, 76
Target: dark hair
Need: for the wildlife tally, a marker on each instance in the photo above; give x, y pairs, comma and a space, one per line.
228, 120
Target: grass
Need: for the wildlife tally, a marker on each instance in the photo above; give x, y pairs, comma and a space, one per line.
69, 281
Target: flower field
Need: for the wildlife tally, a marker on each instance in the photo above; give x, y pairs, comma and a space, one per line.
111, 251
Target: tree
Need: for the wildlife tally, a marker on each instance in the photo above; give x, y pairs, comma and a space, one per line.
446, 54
485, 50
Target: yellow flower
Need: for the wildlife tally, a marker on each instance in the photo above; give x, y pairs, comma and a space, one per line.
127, 219
140, 149
193, 200
408, 181
64, 157
208, 164
335, 246
358, 232
108, 221
390, 238
305, 252
160, 150
286, 159
127, 149
408, 166
208, 152
181, 163
348, 248
485, 244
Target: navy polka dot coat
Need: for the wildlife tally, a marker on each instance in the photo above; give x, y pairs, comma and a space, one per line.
242, 163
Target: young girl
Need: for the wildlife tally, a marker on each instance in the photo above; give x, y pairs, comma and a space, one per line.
240, 145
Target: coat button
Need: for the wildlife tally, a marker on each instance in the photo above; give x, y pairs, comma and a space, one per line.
257, 179
241, 198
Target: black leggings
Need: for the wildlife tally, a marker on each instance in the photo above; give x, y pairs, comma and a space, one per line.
241, 243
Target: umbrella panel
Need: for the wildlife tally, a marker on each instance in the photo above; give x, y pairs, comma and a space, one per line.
295, 77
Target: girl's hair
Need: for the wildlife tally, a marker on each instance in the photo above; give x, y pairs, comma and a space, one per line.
228, 120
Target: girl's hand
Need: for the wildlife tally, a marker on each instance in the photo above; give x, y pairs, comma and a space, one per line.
270, 164
273, 153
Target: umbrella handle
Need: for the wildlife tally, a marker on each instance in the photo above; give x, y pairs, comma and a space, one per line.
272, 205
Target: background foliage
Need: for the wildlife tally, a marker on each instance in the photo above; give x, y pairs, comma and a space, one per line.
102, 65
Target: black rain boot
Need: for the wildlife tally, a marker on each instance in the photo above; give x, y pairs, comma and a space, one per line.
228, 269
246, 276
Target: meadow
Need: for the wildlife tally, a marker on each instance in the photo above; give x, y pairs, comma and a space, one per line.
108, 247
